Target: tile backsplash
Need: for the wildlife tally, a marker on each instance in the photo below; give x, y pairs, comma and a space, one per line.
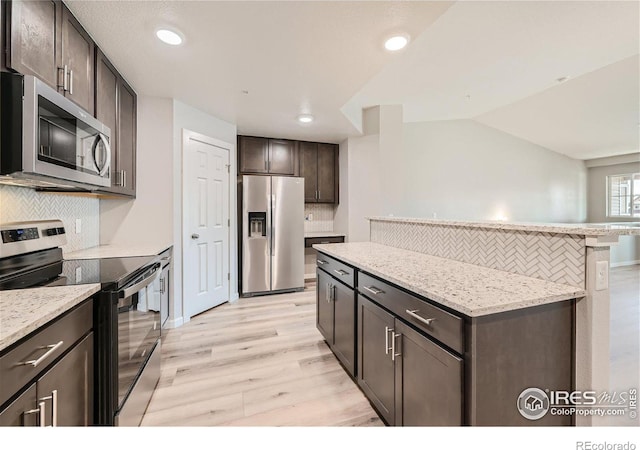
18, 203
322, 214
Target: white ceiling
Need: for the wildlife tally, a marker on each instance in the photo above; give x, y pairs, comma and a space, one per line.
326, 58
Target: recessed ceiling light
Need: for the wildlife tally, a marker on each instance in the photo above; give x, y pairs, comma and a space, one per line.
169, 37
563, 79
396, 43
305, 118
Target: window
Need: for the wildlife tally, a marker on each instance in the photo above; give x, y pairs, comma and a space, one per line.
623, 195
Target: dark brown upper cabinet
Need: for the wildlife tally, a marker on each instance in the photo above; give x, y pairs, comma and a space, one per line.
76, 66
319, 167
33, 38
259, 155
116, 104
45, 40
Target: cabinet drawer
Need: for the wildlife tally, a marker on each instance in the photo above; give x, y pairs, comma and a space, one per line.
336, 269
51, 340
309, 242
443, 326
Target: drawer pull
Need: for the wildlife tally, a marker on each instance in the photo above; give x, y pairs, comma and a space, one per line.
413, 314
341, 272
322, 262
40, 411
36, 362
374, 290
325, 242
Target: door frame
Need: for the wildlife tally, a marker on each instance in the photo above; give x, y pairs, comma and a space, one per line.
188, 135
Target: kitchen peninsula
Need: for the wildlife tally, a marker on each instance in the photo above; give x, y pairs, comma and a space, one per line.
505, 307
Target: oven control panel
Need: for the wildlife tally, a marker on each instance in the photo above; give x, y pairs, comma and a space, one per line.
24, 237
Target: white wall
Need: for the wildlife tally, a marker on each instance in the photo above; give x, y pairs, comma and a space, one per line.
147, 219
188, 118
465, 170
628, 249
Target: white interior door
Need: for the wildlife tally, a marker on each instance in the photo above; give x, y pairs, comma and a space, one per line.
206, 223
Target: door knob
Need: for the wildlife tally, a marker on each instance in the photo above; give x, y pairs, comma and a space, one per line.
195, 236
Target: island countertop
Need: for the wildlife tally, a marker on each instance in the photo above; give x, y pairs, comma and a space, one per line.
581, 229
25, 310
467, 288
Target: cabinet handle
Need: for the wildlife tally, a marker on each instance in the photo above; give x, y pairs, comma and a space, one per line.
326, 294
54, 406
65, 77
322, 262
35, 362
40, 411
162, 285
71, 82
123, 177
341, 272
393, 345
413, 314
386, 339
374, 290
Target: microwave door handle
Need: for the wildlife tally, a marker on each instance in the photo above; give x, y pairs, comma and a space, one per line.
128, 291
105, 167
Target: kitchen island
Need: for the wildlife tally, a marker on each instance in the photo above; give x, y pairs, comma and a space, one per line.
432, 341
480, 272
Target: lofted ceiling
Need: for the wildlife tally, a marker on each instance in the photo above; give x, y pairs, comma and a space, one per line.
494, 62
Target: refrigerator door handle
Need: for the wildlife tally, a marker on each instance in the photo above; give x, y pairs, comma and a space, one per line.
273, 215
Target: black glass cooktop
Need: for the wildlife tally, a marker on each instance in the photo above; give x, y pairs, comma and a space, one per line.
46, 268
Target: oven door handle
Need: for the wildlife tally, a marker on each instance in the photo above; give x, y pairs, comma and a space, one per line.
127, 292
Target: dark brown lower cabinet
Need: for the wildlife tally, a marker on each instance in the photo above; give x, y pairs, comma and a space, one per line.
62, 396
428, 381
408, 378
335, 313
376, 371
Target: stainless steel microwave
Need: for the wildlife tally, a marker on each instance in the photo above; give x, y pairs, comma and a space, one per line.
47, 140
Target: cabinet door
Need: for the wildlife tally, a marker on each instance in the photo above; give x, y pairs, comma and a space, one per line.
253, 154
77, 53
106, 106
375, 367
34, 38
428, 381
326, 173
22, 412
72, 380
126, 155
309, 170
344, 325
282, 157
324, 306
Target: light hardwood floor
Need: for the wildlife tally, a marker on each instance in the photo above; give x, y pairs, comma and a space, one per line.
258, 361
625, 333
261, 361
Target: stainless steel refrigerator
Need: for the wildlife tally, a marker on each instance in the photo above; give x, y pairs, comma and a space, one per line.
272, 234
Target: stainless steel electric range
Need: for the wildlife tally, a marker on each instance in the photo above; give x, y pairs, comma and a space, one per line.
127, 312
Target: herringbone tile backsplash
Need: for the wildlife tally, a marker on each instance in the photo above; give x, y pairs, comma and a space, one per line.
554, 257
18, 203
322, 217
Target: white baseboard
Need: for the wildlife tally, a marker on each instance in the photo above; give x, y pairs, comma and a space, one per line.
234, 297
174, 323
625, 263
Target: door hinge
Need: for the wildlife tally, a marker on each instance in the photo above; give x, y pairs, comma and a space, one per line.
228, 168
228, 276
228, 222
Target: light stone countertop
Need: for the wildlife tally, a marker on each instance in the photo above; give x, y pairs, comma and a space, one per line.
321, 234
582, 229
25, 310
117, 251
469, 289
